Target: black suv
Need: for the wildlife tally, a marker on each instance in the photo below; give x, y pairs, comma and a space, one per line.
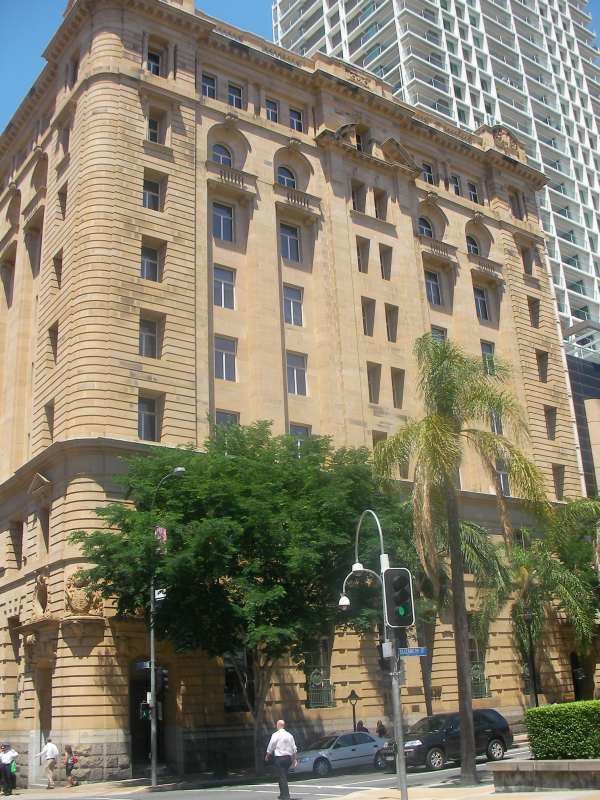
434, 740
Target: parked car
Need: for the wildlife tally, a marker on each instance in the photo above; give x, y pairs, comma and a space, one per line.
435, 740
339, 751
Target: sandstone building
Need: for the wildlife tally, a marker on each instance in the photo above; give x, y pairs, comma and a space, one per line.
196, 224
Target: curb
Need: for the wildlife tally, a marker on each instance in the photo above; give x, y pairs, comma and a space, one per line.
233, 781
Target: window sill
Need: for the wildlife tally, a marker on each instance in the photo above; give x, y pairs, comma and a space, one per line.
163, 151
371, 221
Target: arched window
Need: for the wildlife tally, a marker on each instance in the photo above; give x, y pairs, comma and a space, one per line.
221, 155
473, 246
425, 227
285, 177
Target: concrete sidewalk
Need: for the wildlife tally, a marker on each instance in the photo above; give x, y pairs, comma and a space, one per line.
481, 792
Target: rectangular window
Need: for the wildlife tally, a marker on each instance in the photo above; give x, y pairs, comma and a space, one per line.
432, 287
541, 358
296, 373
225, 356
378, 436
496, 423
503, 478
533, 304
373, 381
49, 412
234, 95
473, 192
222, 222
299, 432
481, 303
148, 418
550, 418
558, 477
455, 184
381, 203
527, 259
296, 122
153, 129
223, 287
57, 262
209, 86
149, 264
226, 418
487, 355
427, 174
439, 334
391, 322
362, 254
397, 387
16, 540
154, 62
148, 342
272, 108
359, 196
289, 239
292, 305
385, 261
368, 315
151, 195
53, 339
62, 201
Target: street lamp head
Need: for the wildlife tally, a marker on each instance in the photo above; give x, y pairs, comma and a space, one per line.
177, 471
344, 602
353, 697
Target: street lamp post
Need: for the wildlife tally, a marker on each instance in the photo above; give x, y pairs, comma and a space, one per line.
528, 619
353, 699
389, 647
175, 472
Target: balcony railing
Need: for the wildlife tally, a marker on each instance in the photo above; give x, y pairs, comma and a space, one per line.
320, 691
480, 685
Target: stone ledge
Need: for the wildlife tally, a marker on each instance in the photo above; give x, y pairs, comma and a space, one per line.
518, 776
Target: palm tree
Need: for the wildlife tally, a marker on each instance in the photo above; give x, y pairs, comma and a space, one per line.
459, 394
547, 576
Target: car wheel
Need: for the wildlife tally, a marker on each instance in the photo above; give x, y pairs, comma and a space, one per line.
322, 768
436, 758
495, 750
379, 762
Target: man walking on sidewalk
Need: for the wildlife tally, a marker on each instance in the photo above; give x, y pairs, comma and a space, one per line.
282, 748
50, 753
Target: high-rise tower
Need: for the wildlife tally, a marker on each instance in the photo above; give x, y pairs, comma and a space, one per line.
529, 64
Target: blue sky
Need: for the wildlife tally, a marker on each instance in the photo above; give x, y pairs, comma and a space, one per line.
27, 26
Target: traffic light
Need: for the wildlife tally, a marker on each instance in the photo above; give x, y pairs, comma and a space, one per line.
162, 679
165, 679
399, 603
384, 663
144, 710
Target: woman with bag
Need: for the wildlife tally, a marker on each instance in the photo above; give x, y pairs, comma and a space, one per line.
70, 764
8, 762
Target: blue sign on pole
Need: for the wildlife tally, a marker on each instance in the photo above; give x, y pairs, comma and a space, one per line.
411, 651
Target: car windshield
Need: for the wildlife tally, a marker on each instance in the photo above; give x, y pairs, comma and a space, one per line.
429, 725
322, 744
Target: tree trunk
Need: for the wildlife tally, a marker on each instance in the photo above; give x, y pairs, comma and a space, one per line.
426, 638
461, 642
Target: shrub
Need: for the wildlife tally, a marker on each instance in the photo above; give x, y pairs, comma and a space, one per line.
565, 730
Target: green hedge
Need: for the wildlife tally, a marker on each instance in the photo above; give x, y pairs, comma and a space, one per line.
565, 730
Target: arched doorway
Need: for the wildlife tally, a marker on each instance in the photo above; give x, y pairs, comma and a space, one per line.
139, 718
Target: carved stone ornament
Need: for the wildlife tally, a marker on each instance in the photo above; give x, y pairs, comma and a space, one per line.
432, 198
231, 120
294, 144
79, 600
477, 218
357, 77
40, 596
509, 144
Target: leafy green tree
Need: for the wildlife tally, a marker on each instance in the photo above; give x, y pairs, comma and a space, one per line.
260, 536
461, 395
549, 573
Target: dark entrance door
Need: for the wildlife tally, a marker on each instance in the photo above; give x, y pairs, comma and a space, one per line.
578, 677
139, 722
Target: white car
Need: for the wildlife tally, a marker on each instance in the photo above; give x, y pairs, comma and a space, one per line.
340, 751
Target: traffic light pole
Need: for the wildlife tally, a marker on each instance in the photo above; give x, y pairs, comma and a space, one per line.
384, 564
398, 726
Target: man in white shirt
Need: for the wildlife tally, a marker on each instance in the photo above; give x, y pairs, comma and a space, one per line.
50, 753
7, 756
282, 748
